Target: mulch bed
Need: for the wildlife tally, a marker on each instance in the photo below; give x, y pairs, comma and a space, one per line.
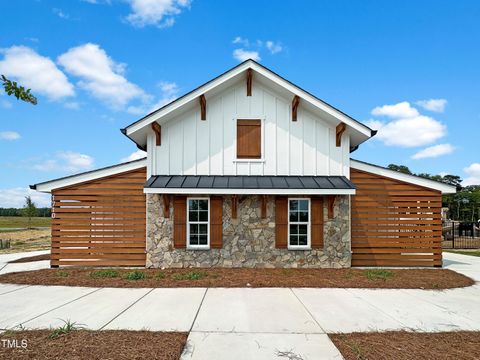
94, 345
394, 345
243, 277
31, 258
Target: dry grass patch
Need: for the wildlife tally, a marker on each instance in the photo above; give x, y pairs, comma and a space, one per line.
73, 344
243, 277
26, 240
395, 345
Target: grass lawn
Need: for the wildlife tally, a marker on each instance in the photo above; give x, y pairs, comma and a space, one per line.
395, 345
26, 240
243, 277
71, 344
465, 252
22, 222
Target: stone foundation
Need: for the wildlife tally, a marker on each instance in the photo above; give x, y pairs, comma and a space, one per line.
248, 240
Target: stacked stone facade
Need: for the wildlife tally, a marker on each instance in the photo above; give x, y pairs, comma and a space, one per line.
248, 240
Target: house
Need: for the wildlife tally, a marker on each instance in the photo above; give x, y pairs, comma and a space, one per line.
247, 170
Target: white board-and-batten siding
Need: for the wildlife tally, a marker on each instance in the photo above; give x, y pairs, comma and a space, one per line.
190, 146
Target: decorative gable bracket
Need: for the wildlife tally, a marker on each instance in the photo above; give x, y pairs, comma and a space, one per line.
339, 132
157, 129
295, 102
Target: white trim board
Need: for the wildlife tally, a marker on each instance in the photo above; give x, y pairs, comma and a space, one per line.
48, 186
431, 184
209, 191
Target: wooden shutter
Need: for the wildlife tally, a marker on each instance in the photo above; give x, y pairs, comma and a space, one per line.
281, 222
216, 222
317, 222
180, 222
249, 139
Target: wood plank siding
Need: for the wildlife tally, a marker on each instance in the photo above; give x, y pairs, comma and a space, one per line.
394, 223
100, 222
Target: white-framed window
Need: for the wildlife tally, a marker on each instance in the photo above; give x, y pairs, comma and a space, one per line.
198, 223
299, 215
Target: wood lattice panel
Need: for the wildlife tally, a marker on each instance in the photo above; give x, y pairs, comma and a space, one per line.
100, 222
394, 223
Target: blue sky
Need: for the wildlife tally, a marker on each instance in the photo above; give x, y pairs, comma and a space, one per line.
409, 68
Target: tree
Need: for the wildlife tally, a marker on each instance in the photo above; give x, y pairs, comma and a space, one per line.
29, 210
400, 168
12, 88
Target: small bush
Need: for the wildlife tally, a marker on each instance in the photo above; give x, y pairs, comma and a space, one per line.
105, 273
379, 274
192, 275
135, 275
61, 273
159, 275
65, 329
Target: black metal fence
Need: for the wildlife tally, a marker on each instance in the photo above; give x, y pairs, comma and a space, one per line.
460, 235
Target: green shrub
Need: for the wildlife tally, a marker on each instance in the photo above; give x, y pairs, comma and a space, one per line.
160, 275
192, 275
379, 274
61, 273
135, 275
65, 329
104, 273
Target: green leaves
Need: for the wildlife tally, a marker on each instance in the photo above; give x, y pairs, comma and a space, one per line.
12, 88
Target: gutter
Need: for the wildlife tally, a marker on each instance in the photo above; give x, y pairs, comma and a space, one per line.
141, 147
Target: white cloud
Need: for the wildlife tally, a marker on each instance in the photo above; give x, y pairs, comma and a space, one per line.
67, 161
36, 72
9, 135
473, 172
273, 47
242, 41
15, 197
400, 110
160, 13
60, 13
97, 1
72, 105
139, 154
242, 55
100, 75
434, 151
168, 93
435, 105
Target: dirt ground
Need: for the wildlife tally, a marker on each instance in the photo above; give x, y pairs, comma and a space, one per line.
94, 345
26, 240
396, 345
243, 277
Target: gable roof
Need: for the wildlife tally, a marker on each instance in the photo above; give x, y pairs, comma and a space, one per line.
48, 186
412, 179
137, 131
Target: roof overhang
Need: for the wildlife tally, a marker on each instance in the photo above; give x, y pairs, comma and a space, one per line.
412, 179
138, 131
249, 185
50, 185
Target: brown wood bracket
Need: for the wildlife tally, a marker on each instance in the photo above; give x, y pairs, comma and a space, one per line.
339, 132
234, 206
249, 82
331, 205
203, 107
295, 102
166, 205
264, 206
158, 133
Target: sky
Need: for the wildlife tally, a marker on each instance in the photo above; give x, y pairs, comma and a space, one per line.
410, 69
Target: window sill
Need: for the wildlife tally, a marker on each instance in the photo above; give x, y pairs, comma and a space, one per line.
248, 160
198, 248
299, 248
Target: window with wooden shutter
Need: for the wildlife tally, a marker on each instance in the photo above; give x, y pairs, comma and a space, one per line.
179, 222
216, 222
317, 222
249, 139
281, 222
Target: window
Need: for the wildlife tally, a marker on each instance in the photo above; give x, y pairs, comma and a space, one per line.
198, 234
299, 223
249, 139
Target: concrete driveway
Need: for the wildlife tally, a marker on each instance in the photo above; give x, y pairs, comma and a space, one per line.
244, 323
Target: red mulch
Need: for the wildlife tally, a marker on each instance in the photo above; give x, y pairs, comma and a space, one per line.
31, 258
94, 345
393, 345
246, 277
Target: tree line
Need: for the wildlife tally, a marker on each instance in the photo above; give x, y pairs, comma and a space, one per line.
462, 206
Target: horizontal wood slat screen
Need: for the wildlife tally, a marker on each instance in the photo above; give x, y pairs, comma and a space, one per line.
100, 222
394, 223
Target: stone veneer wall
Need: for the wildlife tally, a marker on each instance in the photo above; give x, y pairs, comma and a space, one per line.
249, 240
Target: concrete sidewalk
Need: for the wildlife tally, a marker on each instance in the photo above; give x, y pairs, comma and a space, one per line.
245, 323
5, 267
